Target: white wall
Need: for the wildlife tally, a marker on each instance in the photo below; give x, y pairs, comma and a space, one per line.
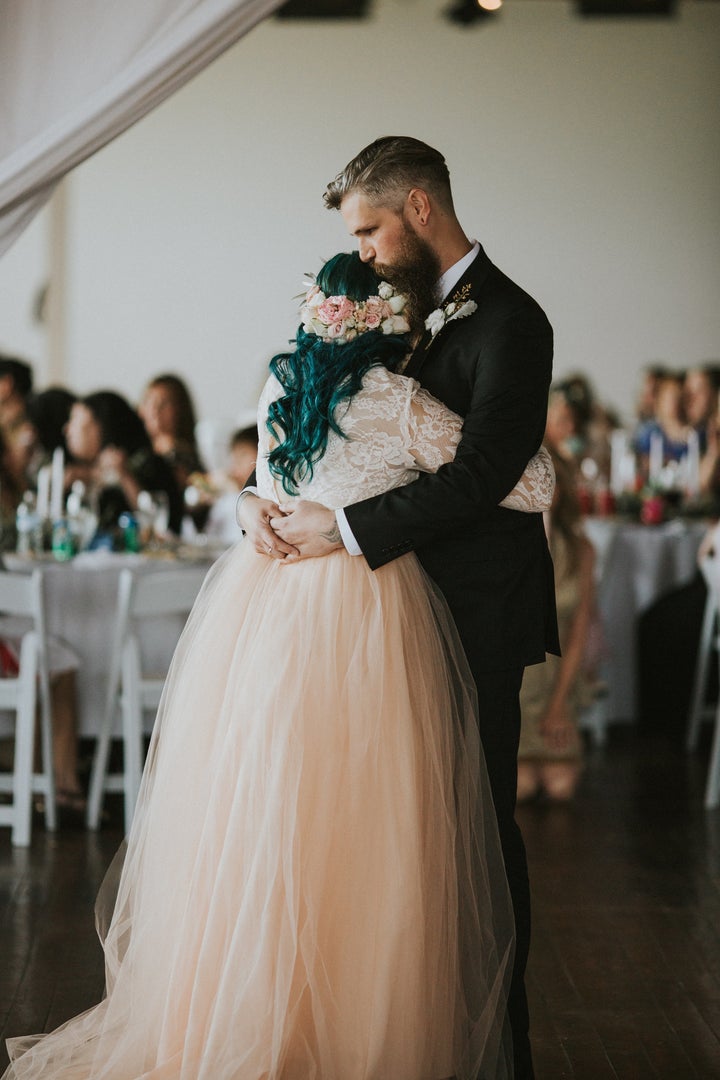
585, 155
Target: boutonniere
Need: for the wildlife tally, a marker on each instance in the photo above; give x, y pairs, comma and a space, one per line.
458, 307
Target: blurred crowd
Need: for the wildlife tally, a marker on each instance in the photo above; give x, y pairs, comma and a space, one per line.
666, 456
94, 472
670, 444
128, 474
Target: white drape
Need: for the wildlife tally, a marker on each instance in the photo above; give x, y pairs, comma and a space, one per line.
76, 73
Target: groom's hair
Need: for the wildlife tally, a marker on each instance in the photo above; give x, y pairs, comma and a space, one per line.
386, 170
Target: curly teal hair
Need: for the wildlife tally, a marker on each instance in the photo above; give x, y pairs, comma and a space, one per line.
319, 375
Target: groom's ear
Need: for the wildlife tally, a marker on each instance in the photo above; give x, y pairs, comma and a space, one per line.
418, 206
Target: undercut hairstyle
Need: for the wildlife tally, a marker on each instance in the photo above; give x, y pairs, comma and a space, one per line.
386, 170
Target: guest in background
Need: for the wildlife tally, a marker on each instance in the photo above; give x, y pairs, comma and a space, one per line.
669, 421
221, 489
700, 398
11, 492
647, 392
49, 413
168, 413
243, 455
553, 693
62, 662
114, 457
16, 381
570, 407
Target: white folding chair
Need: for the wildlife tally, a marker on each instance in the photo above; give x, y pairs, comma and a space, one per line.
699, 711
709, 637
131, 688
594, 718
21, 595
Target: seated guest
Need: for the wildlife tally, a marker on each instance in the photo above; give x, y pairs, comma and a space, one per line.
243, 455
553, 693
647, 392
220, 490
62, 663
48, 413
168, 413
114, 457
569, 412
15, 387
11, 493
700, 397
669, 421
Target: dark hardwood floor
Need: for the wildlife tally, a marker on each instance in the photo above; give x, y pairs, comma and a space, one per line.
624, 976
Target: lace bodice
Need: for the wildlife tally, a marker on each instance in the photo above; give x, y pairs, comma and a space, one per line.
394, 430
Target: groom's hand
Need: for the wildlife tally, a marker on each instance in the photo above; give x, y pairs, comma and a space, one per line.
309, 527
254, 515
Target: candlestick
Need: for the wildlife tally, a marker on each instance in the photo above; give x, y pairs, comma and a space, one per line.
57, 486
693, 465
618, 450
656, 457
43, 492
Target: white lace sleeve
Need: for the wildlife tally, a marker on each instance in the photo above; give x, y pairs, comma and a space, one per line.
432, 432
534, 490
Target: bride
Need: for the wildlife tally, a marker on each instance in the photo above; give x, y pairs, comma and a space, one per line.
312, 886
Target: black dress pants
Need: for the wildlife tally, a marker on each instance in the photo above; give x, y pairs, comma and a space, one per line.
499, 721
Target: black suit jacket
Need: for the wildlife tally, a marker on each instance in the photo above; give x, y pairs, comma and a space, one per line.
492, 367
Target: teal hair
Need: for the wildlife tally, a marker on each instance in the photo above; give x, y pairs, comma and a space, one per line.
319, 375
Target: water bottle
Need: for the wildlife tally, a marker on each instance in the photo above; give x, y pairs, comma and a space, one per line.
28, 527
63, 547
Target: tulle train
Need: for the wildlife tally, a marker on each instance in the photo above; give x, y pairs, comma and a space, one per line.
313, 885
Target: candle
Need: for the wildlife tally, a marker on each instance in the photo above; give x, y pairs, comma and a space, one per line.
656, 457
693, 465
57, 486
618, 451
43, 492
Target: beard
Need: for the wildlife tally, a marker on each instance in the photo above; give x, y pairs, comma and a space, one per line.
415, 273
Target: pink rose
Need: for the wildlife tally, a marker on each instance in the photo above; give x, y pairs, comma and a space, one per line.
336, 329
372, 319
335, 308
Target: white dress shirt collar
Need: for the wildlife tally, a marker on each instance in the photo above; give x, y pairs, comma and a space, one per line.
451, 276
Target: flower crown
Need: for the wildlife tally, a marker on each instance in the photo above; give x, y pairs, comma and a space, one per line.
340, 319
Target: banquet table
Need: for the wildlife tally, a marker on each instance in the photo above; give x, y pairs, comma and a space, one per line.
80, 607
635, 565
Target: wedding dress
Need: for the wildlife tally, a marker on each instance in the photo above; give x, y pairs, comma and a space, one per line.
312, 888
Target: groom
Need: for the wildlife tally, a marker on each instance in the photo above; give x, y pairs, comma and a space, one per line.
491, 363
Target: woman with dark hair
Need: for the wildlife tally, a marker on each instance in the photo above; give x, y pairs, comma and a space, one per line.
168, 412
553, 693
313, 883
49, 412
113, 455
16, 379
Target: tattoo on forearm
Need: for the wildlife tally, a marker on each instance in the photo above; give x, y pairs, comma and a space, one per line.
332, 535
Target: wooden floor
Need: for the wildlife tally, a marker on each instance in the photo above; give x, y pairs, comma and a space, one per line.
624, 978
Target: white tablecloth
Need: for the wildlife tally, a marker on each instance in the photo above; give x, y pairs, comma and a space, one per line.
636, 564
80, 604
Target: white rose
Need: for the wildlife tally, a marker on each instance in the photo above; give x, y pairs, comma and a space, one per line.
396, 303
315, 301
385, 290
435, 321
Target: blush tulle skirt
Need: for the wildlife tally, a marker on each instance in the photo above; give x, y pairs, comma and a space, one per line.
312, 886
